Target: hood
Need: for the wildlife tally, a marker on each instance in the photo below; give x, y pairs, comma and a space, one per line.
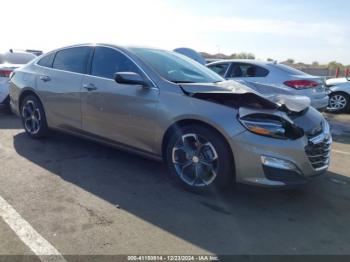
224, 86
235, 94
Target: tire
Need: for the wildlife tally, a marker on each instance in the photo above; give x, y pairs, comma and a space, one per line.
200, 159
33, 117
339, 102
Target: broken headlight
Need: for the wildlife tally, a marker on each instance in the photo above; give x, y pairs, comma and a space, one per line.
271, 126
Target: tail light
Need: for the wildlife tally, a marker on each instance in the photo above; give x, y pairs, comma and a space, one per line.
301, 84
5, 72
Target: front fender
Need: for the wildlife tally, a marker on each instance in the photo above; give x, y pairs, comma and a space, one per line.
345, 87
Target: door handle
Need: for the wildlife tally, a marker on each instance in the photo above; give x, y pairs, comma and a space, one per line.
45, 78
90, 87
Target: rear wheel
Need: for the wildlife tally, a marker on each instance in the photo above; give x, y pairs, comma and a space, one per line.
339, 102
200, 158
33, 117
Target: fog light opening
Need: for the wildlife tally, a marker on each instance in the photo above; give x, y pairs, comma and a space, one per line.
278, 163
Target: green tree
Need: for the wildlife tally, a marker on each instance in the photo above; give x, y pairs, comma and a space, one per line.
242, 55
334, 65
290, 61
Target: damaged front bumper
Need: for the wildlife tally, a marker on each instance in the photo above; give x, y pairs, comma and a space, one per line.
270, 162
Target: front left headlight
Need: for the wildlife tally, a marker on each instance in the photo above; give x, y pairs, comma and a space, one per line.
265, 128
271, 126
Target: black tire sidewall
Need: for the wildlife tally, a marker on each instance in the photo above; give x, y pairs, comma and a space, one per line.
43, 124
225, 177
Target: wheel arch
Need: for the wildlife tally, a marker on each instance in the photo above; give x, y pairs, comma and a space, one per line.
340, 92
186, 122
27, 92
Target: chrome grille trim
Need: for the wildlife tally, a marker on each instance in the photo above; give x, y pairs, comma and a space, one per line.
318, 149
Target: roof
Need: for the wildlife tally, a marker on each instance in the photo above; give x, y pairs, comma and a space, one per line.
250, 61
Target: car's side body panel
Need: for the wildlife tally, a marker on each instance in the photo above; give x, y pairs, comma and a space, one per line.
60, 96
343, 87
119, 112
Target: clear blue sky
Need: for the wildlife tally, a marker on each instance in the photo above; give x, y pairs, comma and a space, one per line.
306, 30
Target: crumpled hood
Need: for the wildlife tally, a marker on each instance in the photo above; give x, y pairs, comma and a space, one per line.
225, 86
239, 90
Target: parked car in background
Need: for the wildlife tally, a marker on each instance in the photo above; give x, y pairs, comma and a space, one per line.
9, 61
165, 106
339, 98
336, 81
285, 78
35, 52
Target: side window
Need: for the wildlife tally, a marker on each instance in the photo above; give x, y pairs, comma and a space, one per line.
220, 68
73, 59
248, 70
261, 72
106, 62
47, 60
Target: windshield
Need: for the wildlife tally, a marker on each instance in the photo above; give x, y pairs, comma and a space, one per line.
177, 68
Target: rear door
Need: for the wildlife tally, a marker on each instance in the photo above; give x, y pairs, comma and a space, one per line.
120, 112
247, 72
59, 84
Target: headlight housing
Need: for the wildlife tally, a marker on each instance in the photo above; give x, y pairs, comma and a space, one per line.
271, 126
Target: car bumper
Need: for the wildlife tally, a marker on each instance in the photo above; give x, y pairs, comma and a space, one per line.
269, 162
4, 100
4, 91
320, 103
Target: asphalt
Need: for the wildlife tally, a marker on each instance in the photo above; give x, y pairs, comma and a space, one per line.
88, 199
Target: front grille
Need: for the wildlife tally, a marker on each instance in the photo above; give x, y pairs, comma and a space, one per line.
318, 151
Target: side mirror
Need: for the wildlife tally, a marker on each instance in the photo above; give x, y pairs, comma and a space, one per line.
129, 78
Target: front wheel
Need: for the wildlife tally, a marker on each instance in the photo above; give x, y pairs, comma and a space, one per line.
339, 102
33, 117
200, 158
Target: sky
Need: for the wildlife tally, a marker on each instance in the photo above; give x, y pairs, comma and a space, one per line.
304, 30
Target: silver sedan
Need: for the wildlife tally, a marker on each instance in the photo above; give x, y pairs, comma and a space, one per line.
339, 98
275, 78
162, 105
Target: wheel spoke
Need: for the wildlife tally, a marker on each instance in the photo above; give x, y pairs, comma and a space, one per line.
194, 159
184, 166
37, 114
207, 164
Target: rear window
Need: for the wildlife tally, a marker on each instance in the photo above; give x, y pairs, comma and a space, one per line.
17, 58
248, 70
73, 59
47, 60
219, 68
288, 69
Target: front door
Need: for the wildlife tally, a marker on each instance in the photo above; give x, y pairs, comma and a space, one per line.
120, 112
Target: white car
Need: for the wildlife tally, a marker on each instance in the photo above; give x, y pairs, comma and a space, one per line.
9, 61
284, 79
339, 98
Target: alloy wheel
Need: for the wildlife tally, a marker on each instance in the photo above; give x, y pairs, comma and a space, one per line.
195, 160
31, 117
337, 102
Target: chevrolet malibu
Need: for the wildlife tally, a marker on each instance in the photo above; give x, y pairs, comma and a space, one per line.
162, 105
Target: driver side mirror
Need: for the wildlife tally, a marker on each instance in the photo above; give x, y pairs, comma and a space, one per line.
129, 78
